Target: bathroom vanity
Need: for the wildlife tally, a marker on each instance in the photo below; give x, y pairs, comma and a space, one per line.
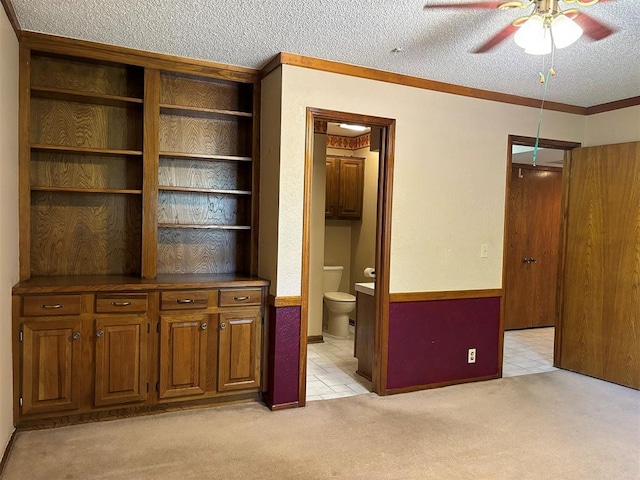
365, 327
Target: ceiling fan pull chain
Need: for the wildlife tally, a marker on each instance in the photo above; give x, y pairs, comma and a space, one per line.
544, 79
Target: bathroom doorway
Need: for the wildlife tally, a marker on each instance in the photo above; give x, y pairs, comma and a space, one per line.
531, 254
345, 222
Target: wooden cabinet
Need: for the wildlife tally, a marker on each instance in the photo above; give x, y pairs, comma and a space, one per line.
121, 360
239, 349
52, 376
183, 355
345, 186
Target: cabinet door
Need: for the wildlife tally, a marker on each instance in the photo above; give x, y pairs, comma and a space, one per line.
51, 365
183, 355
121, 360
351, 187
239, 350
331, 195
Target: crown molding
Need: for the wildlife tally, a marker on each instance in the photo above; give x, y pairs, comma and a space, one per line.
611, 106
13, 19
330, 66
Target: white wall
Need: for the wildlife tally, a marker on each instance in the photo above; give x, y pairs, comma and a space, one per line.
619, 126
449, 182
8, 215
271, 101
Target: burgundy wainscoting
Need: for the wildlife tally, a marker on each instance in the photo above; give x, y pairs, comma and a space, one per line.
284, 355
429, 341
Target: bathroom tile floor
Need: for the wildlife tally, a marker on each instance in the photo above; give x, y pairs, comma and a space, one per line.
331, 370
528, 351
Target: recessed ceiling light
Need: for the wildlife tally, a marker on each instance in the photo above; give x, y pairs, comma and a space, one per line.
355, 128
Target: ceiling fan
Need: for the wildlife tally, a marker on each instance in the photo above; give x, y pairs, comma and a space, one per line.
546, 27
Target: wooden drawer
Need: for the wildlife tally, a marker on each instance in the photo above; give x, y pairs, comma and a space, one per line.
47, 305
184, 300
125, 303
248, 296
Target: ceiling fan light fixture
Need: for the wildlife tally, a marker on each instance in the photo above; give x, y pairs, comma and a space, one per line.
534, 36
564, 31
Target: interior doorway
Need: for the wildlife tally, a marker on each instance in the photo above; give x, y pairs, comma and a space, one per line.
382, 203
533, 212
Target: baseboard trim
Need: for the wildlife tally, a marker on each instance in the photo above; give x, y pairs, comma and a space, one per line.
315, 339
445, 295
284, 406
7, 451
429, 386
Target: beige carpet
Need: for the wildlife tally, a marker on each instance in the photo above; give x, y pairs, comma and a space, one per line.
556, 425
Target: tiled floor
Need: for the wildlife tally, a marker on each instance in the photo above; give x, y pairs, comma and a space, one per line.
331, 370
528, 351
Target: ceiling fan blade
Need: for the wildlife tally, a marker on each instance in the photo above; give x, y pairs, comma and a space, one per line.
498, 38
593, 28
466, 5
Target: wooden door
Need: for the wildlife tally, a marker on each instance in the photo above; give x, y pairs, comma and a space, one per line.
600, 315
183, 355
351, 186
239, 350
331, 195
121, 360
51, 365
532, 246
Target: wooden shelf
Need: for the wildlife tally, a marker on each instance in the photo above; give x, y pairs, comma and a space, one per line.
167, 109
85, 150
84, 97
86, 190
204, 227
198, 156
204, 190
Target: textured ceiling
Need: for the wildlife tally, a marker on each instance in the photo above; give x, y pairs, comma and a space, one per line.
435, 44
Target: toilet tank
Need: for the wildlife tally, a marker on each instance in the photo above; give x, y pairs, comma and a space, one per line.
331, 277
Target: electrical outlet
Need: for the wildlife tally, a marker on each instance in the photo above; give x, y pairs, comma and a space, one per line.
471, 355
484, 250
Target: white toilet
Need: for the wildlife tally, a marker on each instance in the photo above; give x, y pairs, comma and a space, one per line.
338, 304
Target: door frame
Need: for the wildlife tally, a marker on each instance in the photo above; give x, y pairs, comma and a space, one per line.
383, 239
542, 143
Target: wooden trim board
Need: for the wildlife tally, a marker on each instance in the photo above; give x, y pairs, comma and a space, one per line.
277, 302
7, 451
292, 59
445, 295
13, 19
315, 339
429, 386
611, 106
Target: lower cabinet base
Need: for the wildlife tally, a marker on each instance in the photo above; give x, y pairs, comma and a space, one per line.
130, 412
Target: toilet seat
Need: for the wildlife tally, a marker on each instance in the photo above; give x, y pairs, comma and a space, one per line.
339, 297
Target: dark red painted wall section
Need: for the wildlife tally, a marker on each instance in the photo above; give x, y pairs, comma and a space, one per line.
428, 341
284, 355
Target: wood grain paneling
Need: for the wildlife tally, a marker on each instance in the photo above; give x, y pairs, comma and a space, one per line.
238, 354
71, 74
202, 251
51, 169
81, 234
601, 286
84, 125
24, 141
365, 333
218, 136
189, 91
532, 233
205, 174
187, 208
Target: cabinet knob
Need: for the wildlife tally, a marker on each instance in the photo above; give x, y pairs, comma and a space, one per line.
223, 325
76, 335
99, 333
204, 326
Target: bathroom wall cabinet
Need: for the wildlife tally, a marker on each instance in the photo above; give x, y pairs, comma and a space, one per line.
345, 186
138, 239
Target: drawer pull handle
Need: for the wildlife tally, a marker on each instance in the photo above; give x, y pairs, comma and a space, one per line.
185, 300
51, 307
99, 333
240, 299
76, 335
120, 304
